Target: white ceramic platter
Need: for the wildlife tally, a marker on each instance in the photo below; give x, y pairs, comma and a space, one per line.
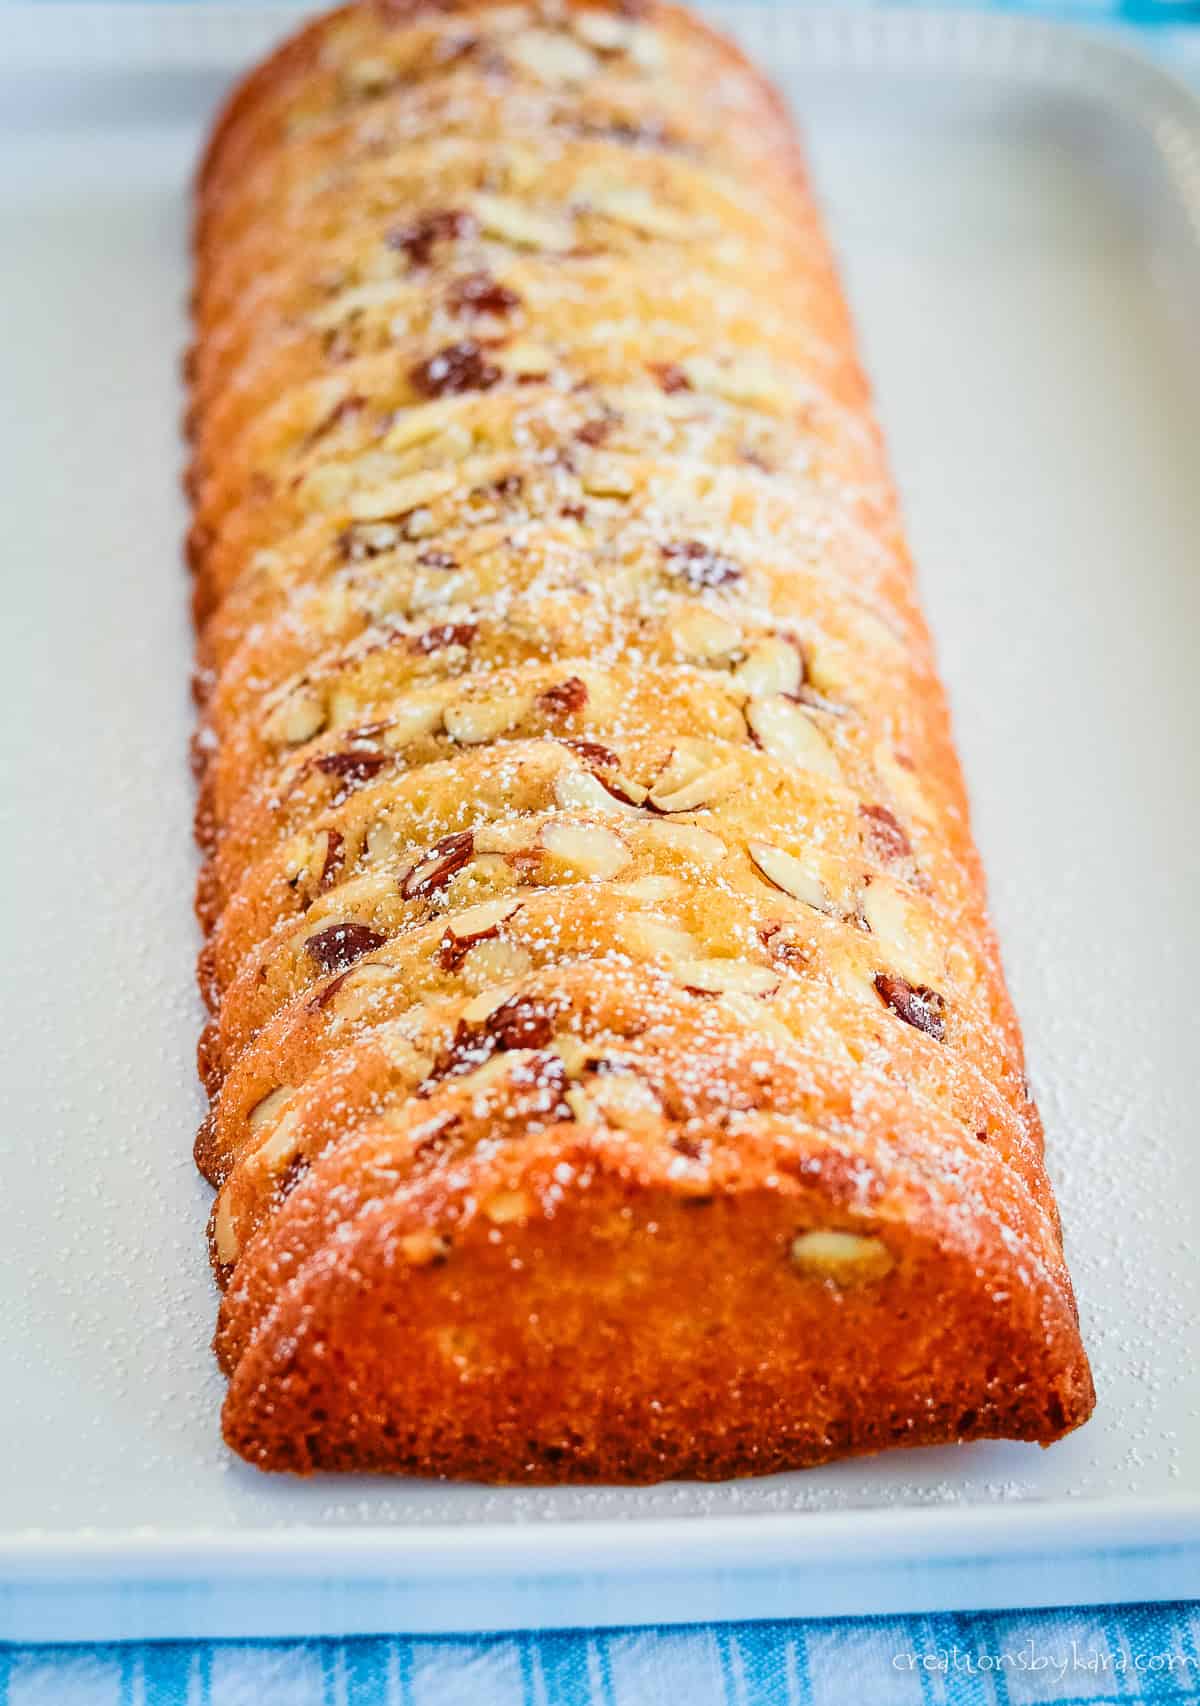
1019, 212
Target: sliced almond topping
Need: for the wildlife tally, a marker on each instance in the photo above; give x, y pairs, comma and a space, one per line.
786, 872
774, 665
528, 360
434, 869
646, 49
849, 973
902, 929
226, 1242
482, 1006
400, 497
591, 752
884, 834
326, 485
581, 789
553, 59
918, 1005
330, 608
495, 1070
841, 1258
604, 31
406, 1058
382, 843
326, 859
455, 368
488, 874
696, 775
717, 977
581, 1105
564, 698
369, 76
272, 1103
623, 788
354, 994
344, 710
300, 717
361, 896
419, 423
808, 695
477, 923
523, 1022
512, 222
788, 733
631, 205
330, 408
419, 524
338, 946
366, 540
585, 847
503, 1207
748, 379
410, 719
520, 166
687, 840
649, 938
606, 477
453, 444
280, 1147
473, 721
704, 635
573, 1053
423, 1248
495, 961
482, 293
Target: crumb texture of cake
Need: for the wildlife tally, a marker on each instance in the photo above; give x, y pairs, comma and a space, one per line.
612, 1073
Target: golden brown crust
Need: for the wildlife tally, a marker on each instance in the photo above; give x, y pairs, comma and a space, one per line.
613, 1074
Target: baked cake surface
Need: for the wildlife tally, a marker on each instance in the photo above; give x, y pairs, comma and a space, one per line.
612, 1071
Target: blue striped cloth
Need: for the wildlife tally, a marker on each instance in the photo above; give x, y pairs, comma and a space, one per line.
997, 1659
1027, 1658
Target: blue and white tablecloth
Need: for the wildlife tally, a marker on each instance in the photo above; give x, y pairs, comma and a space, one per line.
1019, 1658
999, 1659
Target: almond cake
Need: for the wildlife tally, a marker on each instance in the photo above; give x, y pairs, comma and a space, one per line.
612, 1071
